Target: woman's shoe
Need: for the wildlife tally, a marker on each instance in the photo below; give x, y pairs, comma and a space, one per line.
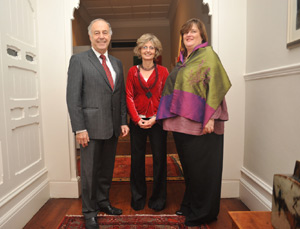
157, 207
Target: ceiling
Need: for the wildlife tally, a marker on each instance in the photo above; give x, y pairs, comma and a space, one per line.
129, 10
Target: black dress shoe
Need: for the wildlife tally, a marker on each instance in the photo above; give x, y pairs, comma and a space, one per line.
91, 223
110, 210
157, 207
179, 212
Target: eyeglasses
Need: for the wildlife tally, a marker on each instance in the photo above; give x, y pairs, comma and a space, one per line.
148, 47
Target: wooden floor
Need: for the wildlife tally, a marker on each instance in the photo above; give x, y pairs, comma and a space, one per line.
51, 214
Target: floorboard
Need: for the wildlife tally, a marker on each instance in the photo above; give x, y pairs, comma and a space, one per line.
51, 214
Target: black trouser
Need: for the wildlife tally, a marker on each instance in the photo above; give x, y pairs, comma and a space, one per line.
96, 164
202, 161
138, 138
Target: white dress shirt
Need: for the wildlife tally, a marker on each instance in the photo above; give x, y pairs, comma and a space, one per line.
111, 69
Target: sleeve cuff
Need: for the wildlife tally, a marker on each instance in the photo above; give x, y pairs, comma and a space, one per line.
80, 131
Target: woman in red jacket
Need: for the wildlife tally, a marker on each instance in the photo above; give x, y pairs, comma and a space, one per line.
144, 86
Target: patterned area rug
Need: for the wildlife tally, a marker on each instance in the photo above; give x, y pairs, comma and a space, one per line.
122, 168
129, 221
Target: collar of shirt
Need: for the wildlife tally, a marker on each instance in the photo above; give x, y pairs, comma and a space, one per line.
113, 73
99, 54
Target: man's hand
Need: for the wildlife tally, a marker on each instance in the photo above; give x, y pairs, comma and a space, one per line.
125, 130
82, 138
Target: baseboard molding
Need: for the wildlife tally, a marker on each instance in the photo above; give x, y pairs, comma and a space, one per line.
65, 189
274, 72
13, 193
230, 189
17, 212
254, 192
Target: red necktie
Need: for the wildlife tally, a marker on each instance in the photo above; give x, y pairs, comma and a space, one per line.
107, 71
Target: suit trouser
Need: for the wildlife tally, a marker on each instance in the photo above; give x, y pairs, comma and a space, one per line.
202, 161
138, 138
96, 164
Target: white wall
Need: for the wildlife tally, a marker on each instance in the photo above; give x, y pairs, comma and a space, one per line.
55, 42
272, 102
229, 40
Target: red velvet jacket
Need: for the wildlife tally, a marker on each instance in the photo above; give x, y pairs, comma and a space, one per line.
137, 101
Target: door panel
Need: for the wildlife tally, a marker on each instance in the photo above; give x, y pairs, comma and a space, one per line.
21, 154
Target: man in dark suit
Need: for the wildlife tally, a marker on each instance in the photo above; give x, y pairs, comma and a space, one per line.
97, 109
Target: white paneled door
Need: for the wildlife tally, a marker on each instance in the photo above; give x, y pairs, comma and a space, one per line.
21, 157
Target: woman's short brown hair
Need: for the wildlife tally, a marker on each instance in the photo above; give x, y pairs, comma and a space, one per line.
186, 27
143, 40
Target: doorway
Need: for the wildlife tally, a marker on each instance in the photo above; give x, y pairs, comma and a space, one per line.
131, 23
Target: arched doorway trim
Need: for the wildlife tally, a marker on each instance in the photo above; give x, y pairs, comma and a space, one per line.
74, 4
209, 4
213, 6
70, 7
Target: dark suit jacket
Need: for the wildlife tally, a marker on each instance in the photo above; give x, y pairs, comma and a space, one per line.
92, 104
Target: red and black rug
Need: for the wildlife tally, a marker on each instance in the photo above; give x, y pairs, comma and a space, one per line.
129, 221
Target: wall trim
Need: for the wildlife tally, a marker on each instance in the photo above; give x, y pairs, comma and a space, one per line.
213, 6
22, 212
65, 189
210, 6
273, 72
13, 193
74, 183
230, 189
257, 180
254, 192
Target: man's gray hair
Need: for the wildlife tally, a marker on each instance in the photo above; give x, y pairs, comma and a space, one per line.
95, 20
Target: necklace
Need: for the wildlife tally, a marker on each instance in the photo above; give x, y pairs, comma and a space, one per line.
147, 69
148, 94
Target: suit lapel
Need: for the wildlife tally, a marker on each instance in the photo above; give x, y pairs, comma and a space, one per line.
93, 58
